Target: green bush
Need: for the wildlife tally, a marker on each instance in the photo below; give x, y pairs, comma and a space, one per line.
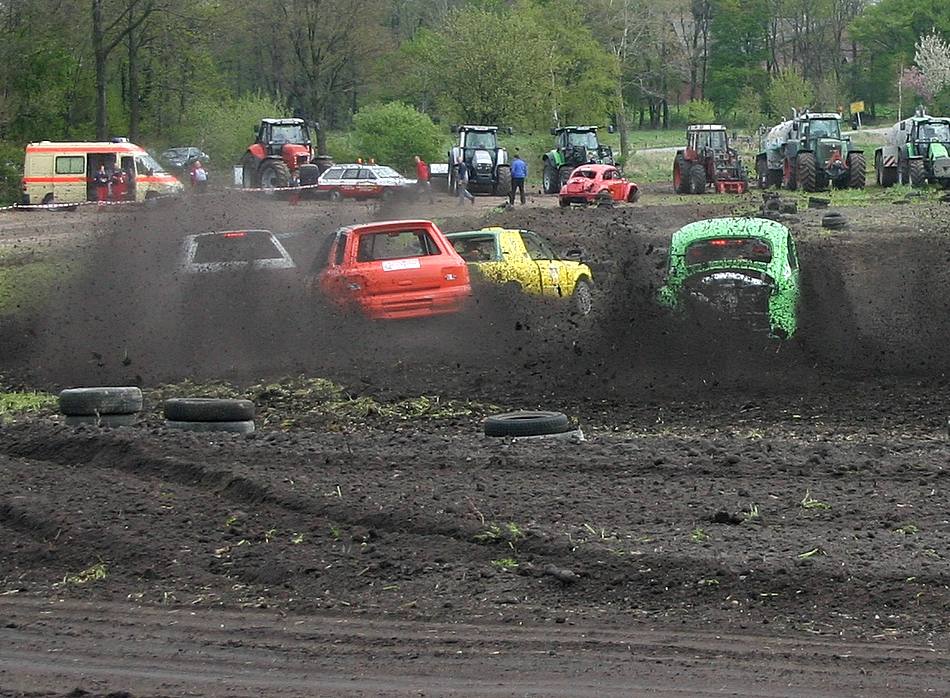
11, 170
393, 133
700, 111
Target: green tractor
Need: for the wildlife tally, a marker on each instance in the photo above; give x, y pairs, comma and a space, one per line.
809, 152
576, 146
917, 150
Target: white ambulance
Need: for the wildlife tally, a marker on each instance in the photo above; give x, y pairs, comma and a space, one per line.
67, 173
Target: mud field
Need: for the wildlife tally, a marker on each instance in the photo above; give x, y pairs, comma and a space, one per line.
743, 518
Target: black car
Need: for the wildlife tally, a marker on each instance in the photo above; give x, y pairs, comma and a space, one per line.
181, 158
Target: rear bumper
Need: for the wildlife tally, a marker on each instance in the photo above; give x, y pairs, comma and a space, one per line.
416, 304
576, 198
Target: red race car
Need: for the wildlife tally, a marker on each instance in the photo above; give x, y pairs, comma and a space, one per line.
393, 269
597, 184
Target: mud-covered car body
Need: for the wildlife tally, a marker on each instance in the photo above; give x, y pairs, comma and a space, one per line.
599, 184
233, 250
525, 259
740, 268
356, 181
392, 270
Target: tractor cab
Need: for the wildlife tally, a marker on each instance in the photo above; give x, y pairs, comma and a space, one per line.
274, 134
712, 137
579, 146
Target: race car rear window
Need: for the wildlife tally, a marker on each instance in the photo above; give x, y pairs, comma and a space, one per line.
237, 246
476, 249
720, 249
372, 247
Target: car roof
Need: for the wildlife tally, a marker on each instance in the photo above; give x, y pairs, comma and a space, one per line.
732, 227
492, 230
389, 226
596, 167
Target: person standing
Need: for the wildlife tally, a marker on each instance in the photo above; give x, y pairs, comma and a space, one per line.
519, 172
462, 183
423, 179
199, 177
101, 181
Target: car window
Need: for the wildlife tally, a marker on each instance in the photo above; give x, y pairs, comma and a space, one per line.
333, 173
719, 249
588, 174
70, 164
235, 246
609, 174
480, 248
340, 249
351, 173
536, 246
386, 172
408, 243
366, 173
792, 258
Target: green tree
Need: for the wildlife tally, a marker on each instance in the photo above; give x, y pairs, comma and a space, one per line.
393, 133
700, 111
738, 54
788, 90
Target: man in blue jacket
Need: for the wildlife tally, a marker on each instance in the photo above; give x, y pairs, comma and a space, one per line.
519, 172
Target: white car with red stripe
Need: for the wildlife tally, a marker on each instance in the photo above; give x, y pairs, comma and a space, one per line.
360, 181
65, 173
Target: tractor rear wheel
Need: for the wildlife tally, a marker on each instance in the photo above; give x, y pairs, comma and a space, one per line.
697, 179
503, 181
550, 181
917, 174
807, 171
680, 180
857, 171
274, 174
564, 174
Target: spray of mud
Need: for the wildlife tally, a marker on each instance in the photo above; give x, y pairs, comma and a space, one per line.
870, 307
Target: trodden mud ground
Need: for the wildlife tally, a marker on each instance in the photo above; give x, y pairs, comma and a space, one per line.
744, 518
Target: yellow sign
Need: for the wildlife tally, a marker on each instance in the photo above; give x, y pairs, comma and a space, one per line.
857, 107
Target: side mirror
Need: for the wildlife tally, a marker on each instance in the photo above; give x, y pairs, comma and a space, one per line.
611, 128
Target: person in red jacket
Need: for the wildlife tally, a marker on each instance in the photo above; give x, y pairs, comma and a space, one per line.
422, 178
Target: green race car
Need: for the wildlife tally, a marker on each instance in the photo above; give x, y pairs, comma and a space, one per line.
740, 268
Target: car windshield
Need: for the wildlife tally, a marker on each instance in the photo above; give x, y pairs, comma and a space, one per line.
291, 133
475, 248
935, 132
235, 246
586, 174
407, 243
824, 128
588, 139
480, 140
712, 139
385, 172
149, 163
173, 153
724, 249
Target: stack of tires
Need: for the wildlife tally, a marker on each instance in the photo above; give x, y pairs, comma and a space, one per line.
209, 414
101, 407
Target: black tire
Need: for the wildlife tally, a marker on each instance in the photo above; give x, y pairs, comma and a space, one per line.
250, 176
550, 180
562, 202
697, 179
833, 220
335, 195
888, 176
110, 421
564, 174
604, 199
274, 174
78, 402
527, 424
48, 199
583, 297
680, 178
245, 427
916, 174
774, 178
206, 409
503, 182
857, 171
806, 171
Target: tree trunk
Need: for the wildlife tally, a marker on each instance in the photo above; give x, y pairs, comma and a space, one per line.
134, 105
621, 119
100, 54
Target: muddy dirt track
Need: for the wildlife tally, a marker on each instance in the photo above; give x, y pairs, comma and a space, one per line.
743, 519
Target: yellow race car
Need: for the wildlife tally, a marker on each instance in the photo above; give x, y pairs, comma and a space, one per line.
525, 259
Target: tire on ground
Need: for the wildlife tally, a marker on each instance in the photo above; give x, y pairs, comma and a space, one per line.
697, 179
807, 174
526, 423
104, 420
833, 220
242, 427
99, 401
206, 409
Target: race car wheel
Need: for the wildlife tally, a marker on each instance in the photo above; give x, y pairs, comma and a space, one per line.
604, 200
78, 402
583, 297
336, 196
527, 424
563, 203
203, 409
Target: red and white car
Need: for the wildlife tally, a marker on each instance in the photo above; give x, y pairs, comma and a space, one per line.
356, 181
597, 184
393, 269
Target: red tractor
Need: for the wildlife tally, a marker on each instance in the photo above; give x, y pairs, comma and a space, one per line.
280, 155
708, 160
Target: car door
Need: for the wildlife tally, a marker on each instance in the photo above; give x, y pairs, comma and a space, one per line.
614, 184
350, 181
549, 267
367, 182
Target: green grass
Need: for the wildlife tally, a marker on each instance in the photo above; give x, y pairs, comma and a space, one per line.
15, 403
26, 286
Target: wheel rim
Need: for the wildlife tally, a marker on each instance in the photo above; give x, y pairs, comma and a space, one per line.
583, 299
548, 180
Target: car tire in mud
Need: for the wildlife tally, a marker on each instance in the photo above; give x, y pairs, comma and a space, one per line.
242, 427
83, 402
550, 180
833, 220
916, 174
583, 298
103, 420
274, 174
807, 172
204, 409
857, 171
604, 200
697, 179
527, 423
